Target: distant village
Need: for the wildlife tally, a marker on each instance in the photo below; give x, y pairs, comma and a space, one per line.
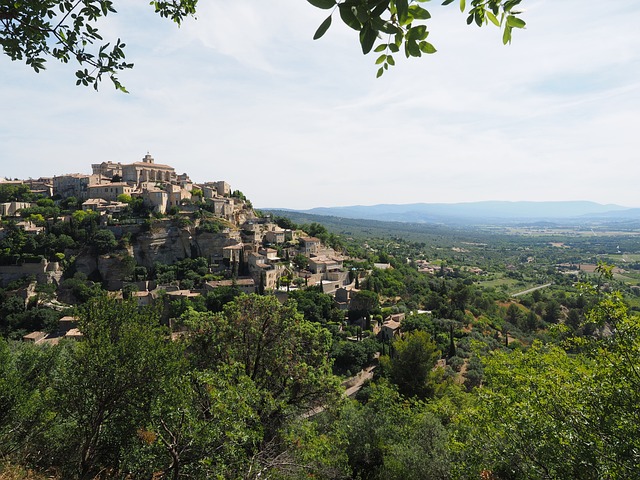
249, 251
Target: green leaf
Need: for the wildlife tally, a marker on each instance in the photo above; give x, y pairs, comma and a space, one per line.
417, 33
385, 27
322, 29
447, 2
463, 5
412, 49
492, 17
362, 14
394, 48
380, 72
515, 22
381, 59
324, 4
368, 37
381, 48
390, 60
419, 13
382, 6
506, 36
402, 8
426, 47
348, 17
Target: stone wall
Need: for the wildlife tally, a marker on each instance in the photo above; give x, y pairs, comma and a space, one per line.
44, 272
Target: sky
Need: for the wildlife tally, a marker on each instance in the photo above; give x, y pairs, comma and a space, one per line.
243, 94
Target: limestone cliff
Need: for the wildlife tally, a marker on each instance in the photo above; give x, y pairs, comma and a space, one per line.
166, 242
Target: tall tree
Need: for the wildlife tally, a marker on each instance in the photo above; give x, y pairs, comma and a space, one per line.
412, 365
104, 389
285, 356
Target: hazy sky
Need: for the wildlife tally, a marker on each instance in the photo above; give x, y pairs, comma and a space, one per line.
243, 94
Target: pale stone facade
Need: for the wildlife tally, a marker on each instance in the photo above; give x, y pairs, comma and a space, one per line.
324, 264
148, 171
275, 236
156, 198
107, 169
309, 245
74, 185
109, 191
9, 209
216, 189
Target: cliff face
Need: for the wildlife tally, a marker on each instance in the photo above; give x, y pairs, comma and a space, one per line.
169, 243
166, 244
210, 245
113, 270
87, 262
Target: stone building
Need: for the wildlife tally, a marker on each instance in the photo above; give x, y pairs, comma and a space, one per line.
107, 169
309, 245
148, 171
216, 189
110, 191
74, 185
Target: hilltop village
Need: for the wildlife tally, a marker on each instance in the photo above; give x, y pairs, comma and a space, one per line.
141, 217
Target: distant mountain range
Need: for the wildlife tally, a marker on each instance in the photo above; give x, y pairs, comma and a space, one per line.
475, 213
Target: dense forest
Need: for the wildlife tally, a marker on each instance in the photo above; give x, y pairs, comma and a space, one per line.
516, 358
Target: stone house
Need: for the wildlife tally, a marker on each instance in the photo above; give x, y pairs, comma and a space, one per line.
216, 189
309, 245
222, 206
110, 191
324, 264
391, 326
9, 209
74, 185
275, 236
156, 198
176, 194
107, 170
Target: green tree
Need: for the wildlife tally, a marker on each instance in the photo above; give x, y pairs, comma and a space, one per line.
285, 356
417, 322
15, 193
104, 389
514, 314
300, 261
390, 438
362, 305
203, 426
104, 241
412, 365
25, 378
545, 413
316, 306
351, 357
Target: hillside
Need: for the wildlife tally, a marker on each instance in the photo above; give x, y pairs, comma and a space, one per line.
475, 213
